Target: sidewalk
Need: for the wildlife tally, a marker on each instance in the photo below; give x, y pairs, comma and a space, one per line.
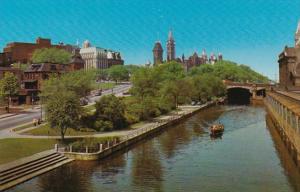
22, 111
8, 115
167, 117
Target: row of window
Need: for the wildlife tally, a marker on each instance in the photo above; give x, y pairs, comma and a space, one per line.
286, 114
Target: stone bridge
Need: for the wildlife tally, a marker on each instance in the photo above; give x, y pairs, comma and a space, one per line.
242, 93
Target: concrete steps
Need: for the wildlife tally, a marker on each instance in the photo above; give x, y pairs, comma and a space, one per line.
24, 169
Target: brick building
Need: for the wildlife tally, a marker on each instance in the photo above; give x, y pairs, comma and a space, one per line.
76, 63
18, 73
35, 74
289, 64
21, 52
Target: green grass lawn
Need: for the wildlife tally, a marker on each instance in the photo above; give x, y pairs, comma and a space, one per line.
46, 130
102, 86
12, 149
25, 126
90, 108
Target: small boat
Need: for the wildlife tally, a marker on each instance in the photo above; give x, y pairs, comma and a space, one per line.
216, 129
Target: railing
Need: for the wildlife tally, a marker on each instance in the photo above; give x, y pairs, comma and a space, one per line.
99, 147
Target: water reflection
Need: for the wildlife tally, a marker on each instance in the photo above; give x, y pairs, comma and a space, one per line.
69, 178
147, 173
286, 160
248, 157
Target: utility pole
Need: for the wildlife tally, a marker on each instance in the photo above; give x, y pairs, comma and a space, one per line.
41, 108
32, 100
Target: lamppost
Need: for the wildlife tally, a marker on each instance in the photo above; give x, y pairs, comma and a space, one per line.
32, 100
41, 100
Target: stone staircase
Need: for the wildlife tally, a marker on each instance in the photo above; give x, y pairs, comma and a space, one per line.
26, 168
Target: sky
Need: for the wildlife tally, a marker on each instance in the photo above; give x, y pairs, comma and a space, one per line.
251, 32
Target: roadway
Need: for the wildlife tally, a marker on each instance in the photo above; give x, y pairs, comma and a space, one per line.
29, 115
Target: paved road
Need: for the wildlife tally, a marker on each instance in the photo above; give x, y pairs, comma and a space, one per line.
11, 122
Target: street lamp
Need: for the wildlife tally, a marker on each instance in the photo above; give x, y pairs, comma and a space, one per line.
32, 100
41, 100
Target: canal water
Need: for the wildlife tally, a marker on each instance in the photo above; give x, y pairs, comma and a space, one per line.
249, 157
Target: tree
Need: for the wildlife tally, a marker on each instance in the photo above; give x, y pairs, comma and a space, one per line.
51, 55
176, 90
170, 71
227, 70
145, 83
118, 73
9, 87
111, 108
78, 82
63, 111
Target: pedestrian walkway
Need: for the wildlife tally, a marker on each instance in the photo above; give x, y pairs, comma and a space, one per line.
182, 110
7, 115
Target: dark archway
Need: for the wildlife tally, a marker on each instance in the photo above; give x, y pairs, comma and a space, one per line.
261, 92
238, 96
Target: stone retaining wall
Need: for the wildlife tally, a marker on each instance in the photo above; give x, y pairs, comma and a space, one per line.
289, 137
132, 139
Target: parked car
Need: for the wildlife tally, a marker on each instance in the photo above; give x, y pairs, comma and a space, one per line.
84, 101
98, 92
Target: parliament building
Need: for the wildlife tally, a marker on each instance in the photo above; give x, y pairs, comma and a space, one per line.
192, 61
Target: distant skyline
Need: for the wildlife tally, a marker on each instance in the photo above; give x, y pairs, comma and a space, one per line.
251, 32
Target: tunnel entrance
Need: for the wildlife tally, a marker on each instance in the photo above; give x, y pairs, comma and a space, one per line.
238, 96
261, 93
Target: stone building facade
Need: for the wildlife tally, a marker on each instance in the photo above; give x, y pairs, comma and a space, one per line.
157, 53
99, 58
171, 47
20, 52
289, 64
192, 61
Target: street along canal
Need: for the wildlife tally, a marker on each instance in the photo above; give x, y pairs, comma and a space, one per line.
249, 157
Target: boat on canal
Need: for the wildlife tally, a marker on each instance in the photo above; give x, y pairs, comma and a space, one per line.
216, 129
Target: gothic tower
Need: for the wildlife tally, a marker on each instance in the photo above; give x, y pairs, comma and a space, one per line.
170, 47
297, 36
157, 53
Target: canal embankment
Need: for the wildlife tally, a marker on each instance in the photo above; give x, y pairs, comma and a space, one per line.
23, 169
110, 147
284, 112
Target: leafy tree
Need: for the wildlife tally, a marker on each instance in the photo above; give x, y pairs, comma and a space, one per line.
63, 111
118, 73
207, 86
227, 70
101, 74
78, 82
145, 83
131, 68
9, 87
170, 71
51, 55
177, 89
111, 109
61, 95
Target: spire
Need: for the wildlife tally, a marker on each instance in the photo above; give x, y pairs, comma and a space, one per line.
170, 36
297, 35
298, 28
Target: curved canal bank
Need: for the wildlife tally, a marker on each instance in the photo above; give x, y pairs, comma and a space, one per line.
184, 157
